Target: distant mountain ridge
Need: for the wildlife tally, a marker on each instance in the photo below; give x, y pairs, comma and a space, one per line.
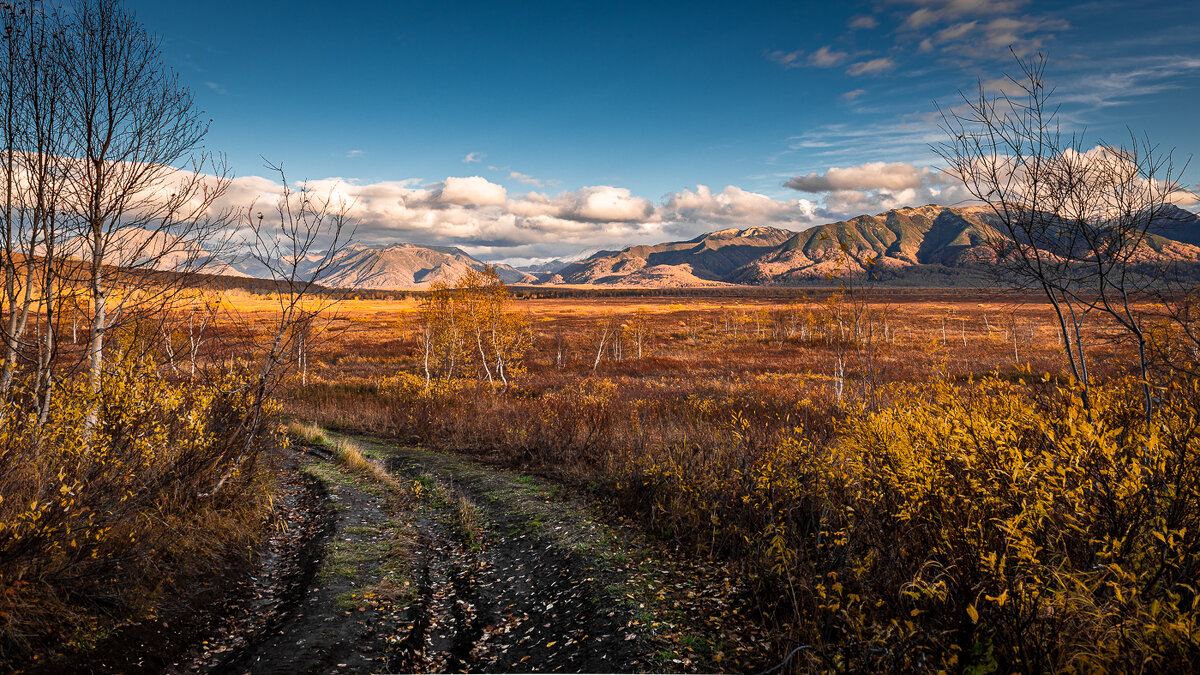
911, 245
403, 266
948, 245
709, 259
904, 241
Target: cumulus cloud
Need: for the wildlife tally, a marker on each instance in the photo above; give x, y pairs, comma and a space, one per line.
872, 67
606, 203
875, 187
599, 203
485, 220
735, 206
869, 176
488, 221
1115, 177
472, 190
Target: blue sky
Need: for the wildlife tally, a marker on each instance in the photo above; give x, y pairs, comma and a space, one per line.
618, 123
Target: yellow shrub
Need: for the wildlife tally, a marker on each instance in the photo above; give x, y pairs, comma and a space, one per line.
118, 510
991, 524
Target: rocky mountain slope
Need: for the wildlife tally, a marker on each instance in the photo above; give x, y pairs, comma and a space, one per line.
400, 266
713, 258
897, 242
890, 241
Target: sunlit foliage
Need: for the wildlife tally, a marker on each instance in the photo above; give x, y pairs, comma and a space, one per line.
467, 330
93, 527
891, 511
991, 526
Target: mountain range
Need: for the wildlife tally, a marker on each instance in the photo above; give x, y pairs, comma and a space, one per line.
936, 243
925, 245
400, 266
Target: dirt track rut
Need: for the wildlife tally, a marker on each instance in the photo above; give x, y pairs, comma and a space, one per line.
446, 566
519, 599
471, 570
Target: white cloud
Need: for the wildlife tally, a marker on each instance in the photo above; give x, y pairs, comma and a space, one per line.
472, 190
607, 203
787, 59
354, 153
484, 219
735, 206
993, 36
826, 57
955, 31
853, 94
975, 28
473, 157
872, 67
1003, 85
598, 203
1128, 80
529, 180
1116, 177
869, 176
875, 187
930, 12
904, 137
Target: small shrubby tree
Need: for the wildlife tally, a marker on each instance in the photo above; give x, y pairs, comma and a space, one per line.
468, 328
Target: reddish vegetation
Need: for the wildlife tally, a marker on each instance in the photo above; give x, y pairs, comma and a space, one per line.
696, 337
797, 433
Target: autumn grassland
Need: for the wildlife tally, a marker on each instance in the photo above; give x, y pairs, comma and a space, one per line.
903, 477
256, 424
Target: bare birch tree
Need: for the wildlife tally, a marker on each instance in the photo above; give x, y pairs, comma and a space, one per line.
142, 188
33, 175
1069, 221
296, 243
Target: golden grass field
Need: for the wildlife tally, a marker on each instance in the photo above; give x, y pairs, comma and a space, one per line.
914, 332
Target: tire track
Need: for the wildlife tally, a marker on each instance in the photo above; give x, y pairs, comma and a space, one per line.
519, 602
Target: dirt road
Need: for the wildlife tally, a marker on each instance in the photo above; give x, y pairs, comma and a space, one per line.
444, 565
